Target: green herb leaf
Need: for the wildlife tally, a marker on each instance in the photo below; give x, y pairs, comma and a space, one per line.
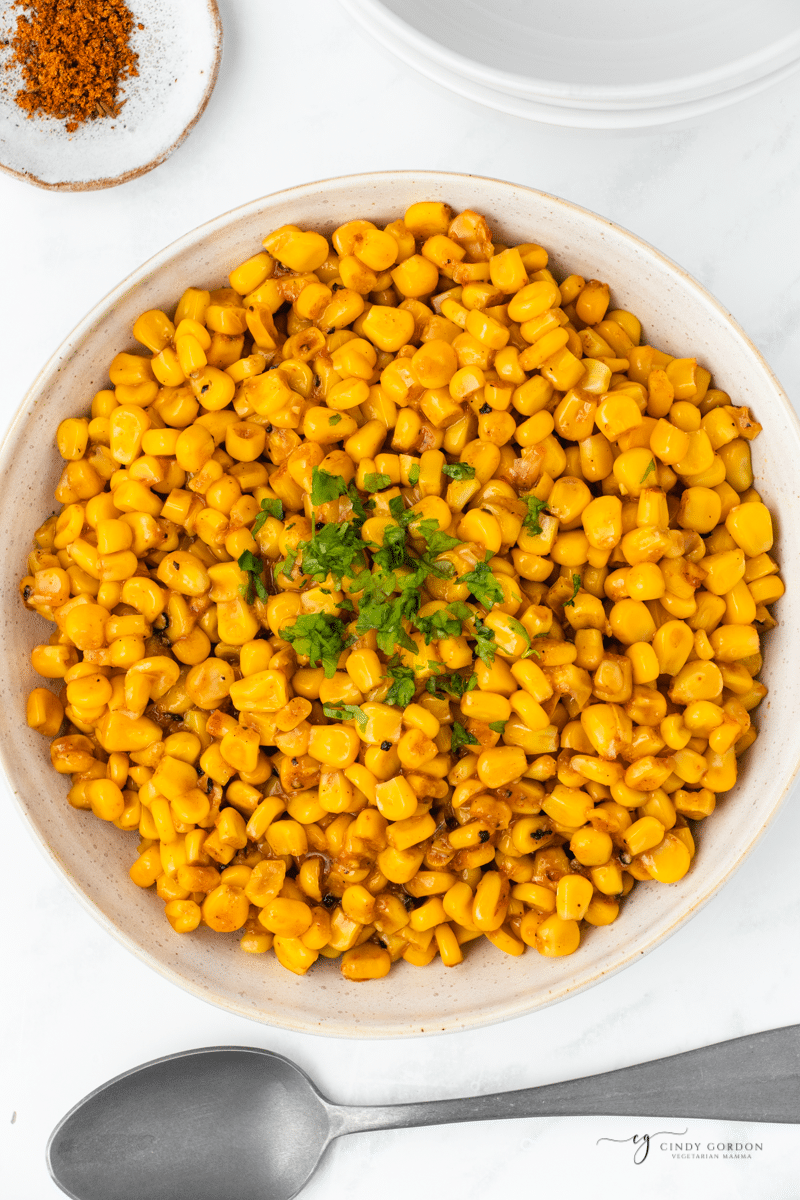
335, 420
576, 583
483, 585
287, 566
459, 470
345, 712
531, 519
326, 487
403, 686
455, 684
413, 475
436, 540
249, 562
320, 637
378, 611
269, 508
398, 510
461, 737
375, 482
440, 624
355, 500
461, 610
651, 466
497, 726
333, 550
485, 647
254, 568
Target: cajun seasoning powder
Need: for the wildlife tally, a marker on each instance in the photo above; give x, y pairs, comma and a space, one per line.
74, 54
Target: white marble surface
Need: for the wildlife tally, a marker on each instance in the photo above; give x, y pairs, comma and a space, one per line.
303, 95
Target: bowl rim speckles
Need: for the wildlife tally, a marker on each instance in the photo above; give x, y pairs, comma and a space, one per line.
97, 184
680, 317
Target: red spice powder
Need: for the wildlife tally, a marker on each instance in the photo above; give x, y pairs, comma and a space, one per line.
74, 54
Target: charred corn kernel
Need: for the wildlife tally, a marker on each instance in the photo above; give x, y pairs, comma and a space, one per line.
750, 526
421, 719
573, 896
669, 861
555, 936
396, 799
44, 712
367, 961
644, 834
147, 868
591, 847
72, 438
448, 945
734, 642
631, 622
568, 806
767, 590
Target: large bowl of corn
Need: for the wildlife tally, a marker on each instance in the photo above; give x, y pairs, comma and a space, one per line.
408, 590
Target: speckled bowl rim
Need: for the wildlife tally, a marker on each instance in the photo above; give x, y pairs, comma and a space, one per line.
477, 1017
96, 185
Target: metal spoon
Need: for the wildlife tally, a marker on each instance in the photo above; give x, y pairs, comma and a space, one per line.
211, 1123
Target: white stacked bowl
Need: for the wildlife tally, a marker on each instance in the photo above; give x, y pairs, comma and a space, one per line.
622, 65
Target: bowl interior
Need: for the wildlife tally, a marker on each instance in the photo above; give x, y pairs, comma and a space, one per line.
677, 316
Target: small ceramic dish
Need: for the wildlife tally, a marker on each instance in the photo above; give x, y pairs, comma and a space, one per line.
679, 317
179, 49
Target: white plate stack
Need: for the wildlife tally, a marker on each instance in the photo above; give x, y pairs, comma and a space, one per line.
621, 64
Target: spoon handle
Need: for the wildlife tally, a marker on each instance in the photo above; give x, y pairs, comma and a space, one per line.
753, 1078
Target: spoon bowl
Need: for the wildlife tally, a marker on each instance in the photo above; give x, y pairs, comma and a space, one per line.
196, 1126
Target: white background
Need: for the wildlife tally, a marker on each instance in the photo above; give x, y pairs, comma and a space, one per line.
303, 95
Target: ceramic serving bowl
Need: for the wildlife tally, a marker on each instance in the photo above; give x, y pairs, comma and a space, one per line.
678, 316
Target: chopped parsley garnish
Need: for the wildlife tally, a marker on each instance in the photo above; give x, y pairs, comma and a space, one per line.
440, 624
455, 684
393, 552
651, 466
398, 510
253, 568
461, 737
531, 519
326, 487
345, 712
269, 508
403, 686
576, 583
436, 540
376, 482
333, 550
335, 420
485, 647
379, 611
497, 726
459, 470
483, 585
287, 566
413, 475
320, 637
358, 508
